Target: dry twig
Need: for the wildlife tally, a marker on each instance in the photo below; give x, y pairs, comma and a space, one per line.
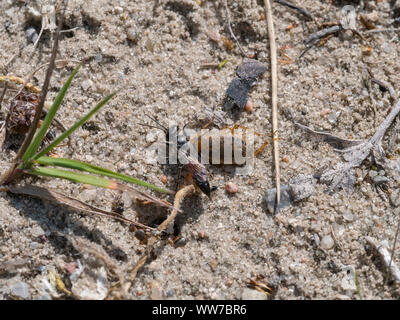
96, 251
180, 195
382, 30
381, 247
304, 12
354, 152
12, 172
274, 97
54, 196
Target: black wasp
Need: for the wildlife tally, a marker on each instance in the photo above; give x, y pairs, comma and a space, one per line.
178, 147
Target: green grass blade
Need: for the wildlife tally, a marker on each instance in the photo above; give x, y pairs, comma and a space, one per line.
37, 140
73, 176
83, 166
74, 127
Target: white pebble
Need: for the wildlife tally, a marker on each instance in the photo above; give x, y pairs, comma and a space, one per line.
327, 242
348, 216
88, 195
250, 294
86, 84
20, 289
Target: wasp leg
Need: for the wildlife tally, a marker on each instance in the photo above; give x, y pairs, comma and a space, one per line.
261, 148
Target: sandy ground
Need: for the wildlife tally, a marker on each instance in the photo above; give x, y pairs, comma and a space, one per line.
151, 51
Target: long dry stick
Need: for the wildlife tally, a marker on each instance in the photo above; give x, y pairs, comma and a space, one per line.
13, 171
274, 98
382, 30
180, 195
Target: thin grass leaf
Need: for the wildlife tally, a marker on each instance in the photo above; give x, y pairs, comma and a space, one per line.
73, 176
83, 166
97, 182
37, 140
74, 127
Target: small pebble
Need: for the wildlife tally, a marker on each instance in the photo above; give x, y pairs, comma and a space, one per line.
230, 187
214, 36
395, 197
156, 293
250, 294
33, 245
169, 293
327, 242
126, 199
88, 195
286, 199
332, 117
301, 186
249, 107
31, 34
151, 136
34, 14
348, 216
132, 35
20, 289
86, 84
37, 231
45, 296
324, 112
386, 47
373, 173
348, 283
118, 10
140, 235
202, 234
164, 179
380, 180
213, 265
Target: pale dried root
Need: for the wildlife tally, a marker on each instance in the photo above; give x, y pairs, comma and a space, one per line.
180, 195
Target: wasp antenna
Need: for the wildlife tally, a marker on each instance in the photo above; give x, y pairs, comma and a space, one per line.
161, 127
149, 125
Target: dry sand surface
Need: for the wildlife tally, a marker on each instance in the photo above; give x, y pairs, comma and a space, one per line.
151, 51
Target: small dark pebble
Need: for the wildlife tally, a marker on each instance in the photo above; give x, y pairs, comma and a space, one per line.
31, 34
332, 267
140, 235
169, 293
270, 196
